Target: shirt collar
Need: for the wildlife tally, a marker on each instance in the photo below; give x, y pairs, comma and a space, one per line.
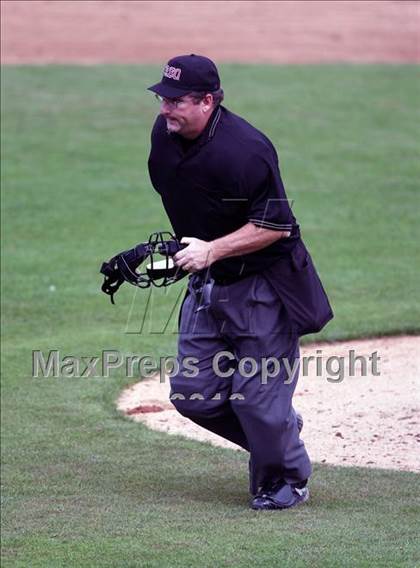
211, 125
209, 129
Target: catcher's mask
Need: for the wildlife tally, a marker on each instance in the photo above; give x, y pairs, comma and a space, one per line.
126, 266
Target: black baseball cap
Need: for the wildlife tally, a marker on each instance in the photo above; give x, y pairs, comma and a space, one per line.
186, 73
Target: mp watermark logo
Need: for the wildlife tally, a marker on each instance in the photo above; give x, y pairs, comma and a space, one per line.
225, 364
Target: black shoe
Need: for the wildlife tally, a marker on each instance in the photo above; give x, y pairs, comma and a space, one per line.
299, 420
300, 484
282, 496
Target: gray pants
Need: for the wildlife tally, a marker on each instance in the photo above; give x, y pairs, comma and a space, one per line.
245, 319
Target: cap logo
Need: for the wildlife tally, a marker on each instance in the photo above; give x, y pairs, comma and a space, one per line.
172, 72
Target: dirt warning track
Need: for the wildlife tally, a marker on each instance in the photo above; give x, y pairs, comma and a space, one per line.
91, 32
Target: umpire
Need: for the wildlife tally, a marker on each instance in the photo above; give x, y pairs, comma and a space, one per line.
253, 289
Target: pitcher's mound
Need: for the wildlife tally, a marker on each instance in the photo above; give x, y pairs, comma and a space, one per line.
369, 421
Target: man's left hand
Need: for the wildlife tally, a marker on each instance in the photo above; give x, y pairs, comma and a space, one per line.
196, 256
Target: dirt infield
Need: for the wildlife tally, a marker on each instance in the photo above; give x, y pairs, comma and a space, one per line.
370, 421
274, 32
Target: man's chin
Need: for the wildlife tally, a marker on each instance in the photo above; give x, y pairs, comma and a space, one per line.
172, 126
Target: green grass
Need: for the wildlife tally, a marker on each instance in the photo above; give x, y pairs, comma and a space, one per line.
81, 485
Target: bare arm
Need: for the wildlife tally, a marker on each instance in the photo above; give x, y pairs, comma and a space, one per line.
249, 238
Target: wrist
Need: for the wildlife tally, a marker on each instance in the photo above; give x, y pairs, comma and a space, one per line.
215, 252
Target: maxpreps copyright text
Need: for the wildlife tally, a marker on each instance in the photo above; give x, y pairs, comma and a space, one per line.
224, 364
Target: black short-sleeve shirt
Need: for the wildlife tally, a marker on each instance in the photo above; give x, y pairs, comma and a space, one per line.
216, 184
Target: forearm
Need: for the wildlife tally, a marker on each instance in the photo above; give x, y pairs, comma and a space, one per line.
249, 238
245, 240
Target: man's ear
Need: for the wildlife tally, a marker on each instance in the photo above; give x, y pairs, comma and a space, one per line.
208, 101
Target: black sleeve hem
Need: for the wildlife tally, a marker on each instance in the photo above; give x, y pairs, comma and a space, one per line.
270, 225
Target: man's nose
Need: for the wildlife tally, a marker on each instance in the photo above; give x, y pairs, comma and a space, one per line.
165, 109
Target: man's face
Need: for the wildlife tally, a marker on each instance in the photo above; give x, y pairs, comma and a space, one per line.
183, 115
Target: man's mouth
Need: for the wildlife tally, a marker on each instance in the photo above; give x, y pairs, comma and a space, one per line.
172, 124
